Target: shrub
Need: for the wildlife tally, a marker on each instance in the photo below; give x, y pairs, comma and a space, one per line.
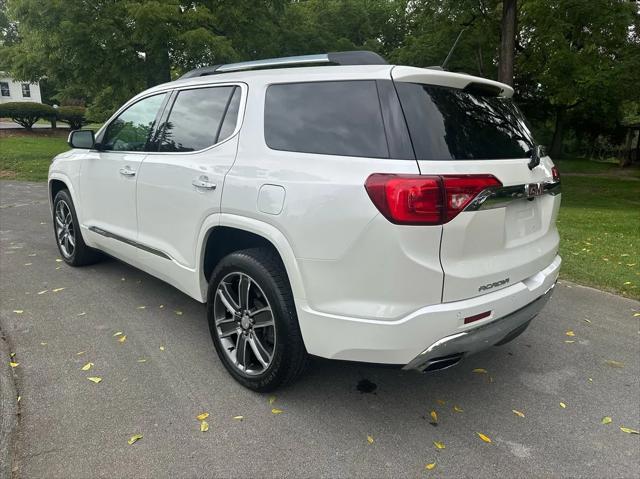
26, 113
73, 115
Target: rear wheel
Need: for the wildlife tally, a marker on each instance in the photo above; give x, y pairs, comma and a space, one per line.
67, 231
253, 322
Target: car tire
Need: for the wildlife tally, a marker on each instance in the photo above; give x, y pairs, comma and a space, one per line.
253, 321
66, 230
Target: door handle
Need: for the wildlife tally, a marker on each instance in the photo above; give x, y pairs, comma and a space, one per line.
127, 171
203, 183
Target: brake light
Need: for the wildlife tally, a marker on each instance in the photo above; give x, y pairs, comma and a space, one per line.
424, 200
555, 173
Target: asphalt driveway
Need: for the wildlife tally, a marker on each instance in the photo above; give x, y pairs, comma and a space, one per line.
57, 319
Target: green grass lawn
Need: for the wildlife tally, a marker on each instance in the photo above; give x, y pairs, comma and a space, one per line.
28, 157
599, 219
599, 225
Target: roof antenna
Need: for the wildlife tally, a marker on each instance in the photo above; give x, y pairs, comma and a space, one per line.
446, 60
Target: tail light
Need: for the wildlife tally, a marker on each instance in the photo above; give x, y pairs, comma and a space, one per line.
555, 173
424, 200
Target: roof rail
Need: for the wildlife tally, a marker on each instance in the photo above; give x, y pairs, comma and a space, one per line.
336, 58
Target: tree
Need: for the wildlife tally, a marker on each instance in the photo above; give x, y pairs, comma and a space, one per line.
507, 41
26, 113
577, 59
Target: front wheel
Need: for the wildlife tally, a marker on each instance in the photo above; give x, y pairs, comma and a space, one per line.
253, 322
67, 231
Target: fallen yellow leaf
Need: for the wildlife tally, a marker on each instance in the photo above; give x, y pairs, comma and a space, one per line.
276, 411
142, 307
369, 439
43, 291
204, 426
14, 365
628, 430
117, 333
58, 260
57, 290
162, 306
606, 420
430, 466
563, 405
479, 371
434, 416
570, 333
441, 402
179, 313
12, 355
18, 311
19, 397
202, 416
587, 320
517, 413
87, 366
457, 409
81, 314
79, 353
569, 341
438, 444
43, 344
161, 348
272, 399
122, 338
142, 360
238, 418
134, 438
94, 379
614, 364
483, 437
635, 315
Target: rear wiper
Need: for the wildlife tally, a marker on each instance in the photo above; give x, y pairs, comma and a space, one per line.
535, 157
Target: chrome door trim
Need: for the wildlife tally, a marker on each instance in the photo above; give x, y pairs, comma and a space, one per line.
499, 197
148, 249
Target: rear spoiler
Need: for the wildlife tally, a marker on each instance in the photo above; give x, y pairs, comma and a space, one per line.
431, 76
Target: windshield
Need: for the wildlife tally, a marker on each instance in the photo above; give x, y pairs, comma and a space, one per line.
452, 124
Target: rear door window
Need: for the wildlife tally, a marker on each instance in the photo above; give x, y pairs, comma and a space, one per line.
198, 119
331, 118
453, 124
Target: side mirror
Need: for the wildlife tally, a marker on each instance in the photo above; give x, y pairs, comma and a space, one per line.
84, 139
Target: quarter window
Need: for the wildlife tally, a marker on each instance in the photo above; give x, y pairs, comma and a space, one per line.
131, 129
200, 118
26, 90
332, 118
4, 89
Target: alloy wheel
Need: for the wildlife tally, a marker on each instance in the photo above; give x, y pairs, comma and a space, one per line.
244, 323
65, 230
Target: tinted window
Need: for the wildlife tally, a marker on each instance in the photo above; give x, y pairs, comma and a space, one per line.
4, 89
333, 118
197, 118
453, 124
131, 129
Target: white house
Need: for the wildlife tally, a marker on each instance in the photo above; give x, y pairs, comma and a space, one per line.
18, 91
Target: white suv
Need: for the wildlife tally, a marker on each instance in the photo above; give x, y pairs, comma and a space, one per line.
346, 208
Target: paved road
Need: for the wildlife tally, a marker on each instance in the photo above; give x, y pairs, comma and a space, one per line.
70, 427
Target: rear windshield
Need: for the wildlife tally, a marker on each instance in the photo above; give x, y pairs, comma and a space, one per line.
452, 124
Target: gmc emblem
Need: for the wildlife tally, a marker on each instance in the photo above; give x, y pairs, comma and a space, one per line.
532, 190
493, 285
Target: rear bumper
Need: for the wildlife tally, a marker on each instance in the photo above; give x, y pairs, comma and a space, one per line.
401, 340
449, 350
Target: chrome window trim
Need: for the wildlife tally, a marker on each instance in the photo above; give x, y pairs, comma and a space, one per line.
244, 88
498, 197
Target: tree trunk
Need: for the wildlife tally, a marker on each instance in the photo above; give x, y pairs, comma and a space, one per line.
158, 68
556, 143
507, 42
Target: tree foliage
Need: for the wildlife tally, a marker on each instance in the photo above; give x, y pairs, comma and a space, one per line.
26, 113
575, 61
